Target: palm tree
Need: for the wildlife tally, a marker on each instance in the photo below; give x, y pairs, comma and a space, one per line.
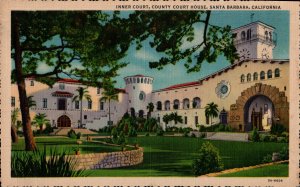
211, 110
150, 108
108, 95
83, 93
31, 102
14, 118
40, 120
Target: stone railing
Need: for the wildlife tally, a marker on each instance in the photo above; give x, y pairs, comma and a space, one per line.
109, 160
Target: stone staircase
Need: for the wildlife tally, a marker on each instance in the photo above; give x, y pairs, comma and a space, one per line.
227, 136
64, 131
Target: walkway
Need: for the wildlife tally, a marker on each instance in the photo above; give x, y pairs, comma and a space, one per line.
228, 136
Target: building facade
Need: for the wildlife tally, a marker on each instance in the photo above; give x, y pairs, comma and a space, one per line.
252, 92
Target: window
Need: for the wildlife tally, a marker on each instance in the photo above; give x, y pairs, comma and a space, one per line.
243, 78
90, 104
243, 35
248, 34
31, 83
262, 75
138, 80
255, 76
130, 80
186, 103
185, 119
76, 104
98, 90
158, 119
62, 104
142, 96
158, 105
101, 105
266, 35
196, 102
269, 74
270, 34
61, 86
176, 104
13, 101
134, 80
133, 87
44, 102
248, 77
142, 80
167, 105
277, 72
85, 117
196, 120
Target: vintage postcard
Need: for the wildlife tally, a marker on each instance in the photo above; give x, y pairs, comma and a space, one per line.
149, 93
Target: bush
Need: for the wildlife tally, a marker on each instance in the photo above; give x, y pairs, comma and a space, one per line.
273, 139
36, 164
255, 135
72, 134
220, 128
147, 134
267, 158
228, 128
265, 138
159, 132
277, 129
284, 153
193, 135
48, 129
201, 128
78, 135
132, 132
208, 160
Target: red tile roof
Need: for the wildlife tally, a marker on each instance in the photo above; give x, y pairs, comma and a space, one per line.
69, 81
188, 84
62, 94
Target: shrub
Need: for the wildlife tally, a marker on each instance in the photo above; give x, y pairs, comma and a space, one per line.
159, 132
273, 139
78, 135
208, 160
277, 129
147, 134
72, 134
48, 129
255, 135
220, 128
284, 153
267, 158
265, 138
201, 128
132, 132
185, 134
193, 135
36, 164
228, 128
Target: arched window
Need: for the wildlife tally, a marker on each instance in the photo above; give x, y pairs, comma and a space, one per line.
277, 72
186, 103
243, 35
266, 35
248, 77
158, 105
142, 80
137, 80
269, 74
270, 34
134, 80
243, 78
262, 75
148, 81
196, 102
255, 76
248, 34
130, 80
167, 105
101, 102
176, 104
145, 80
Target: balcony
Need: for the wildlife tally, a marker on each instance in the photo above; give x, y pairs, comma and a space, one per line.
258, 38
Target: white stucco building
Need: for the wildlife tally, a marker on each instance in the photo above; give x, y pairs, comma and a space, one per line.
252, 92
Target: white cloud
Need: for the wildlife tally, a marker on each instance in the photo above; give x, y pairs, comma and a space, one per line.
198, 37
144, 55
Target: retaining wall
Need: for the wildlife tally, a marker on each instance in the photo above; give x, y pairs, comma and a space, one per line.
109, 160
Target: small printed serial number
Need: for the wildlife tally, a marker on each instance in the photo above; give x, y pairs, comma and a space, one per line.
275, 180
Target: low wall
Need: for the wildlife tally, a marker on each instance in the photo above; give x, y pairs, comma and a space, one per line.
109, 160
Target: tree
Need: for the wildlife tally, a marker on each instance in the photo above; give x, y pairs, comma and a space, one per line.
172, 117
31, 102
211, 110
88, 45
14, 128
40, 120
82, 93
110, 94
150, 108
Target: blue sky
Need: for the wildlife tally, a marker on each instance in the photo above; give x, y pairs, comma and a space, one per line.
138, 60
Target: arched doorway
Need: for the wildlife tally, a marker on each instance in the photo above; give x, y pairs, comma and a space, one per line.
63, 121
258, 113
242, 116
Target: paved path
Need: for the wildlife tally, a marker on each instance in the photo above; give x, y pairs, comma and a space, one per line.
227, 136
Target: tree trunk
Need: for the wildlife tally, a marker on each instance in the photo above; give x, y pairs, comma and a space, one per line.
41, 129
14, 135
26, 122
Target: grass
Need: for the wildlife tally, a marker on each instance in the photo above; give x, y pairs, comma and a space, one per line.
277, 170
65, 144
173, 156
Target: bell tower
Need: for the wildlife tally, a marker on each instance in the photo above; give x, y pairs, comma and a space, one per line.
255, 40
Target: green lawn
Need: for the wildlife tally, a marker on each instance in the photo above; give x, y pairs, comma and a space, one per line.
172, 156
169, 156
277, 170
66, 144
